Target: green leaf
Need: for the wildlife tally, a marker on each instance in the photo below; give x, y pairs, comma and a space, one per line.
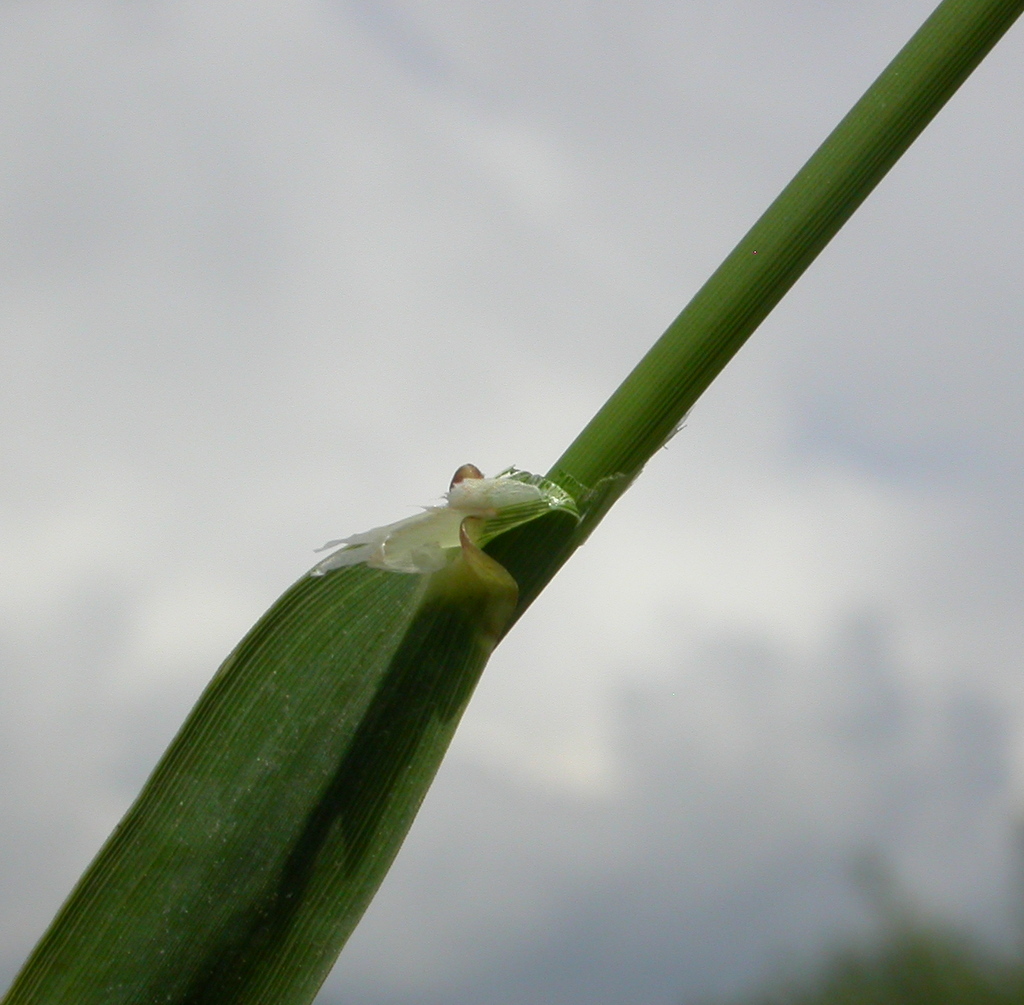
269, 823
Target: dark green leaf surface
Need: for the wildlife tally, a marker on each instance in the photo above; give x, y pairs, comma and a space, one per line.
269, 823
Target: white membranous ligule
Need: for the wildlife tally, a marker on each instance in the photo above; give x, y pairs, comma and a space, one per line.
426, 542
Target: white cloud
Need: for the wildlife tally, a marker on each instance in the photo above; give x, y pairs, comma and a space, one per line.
271, 272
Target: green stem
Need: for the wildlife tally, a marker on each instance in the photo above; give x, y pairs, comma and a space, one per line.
655, 397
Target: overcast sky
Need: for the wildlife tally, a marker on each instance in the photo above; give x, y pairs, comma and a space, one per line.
270, 271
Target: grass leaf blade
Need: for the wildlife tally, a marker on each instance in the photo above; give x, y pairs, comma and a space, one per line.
268, 825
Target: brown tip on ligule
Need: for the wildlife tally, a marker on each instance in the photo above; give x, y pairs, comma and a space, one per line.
466, 471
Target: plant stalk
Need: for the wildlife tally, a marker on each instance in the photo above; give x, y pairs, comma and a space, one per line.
653, 400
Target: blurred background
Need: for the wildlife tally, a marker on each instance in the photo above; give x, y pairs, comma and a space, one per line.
270, 271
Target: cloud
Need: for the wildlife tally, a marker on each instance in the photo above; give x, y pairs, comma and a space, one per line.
272, 272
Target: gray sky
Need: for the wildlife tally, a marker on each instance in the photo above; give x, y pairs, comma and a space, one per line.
269, 272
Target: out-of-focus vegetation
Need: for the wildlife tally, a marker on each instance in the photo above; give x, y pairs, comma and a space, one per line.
912, 965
